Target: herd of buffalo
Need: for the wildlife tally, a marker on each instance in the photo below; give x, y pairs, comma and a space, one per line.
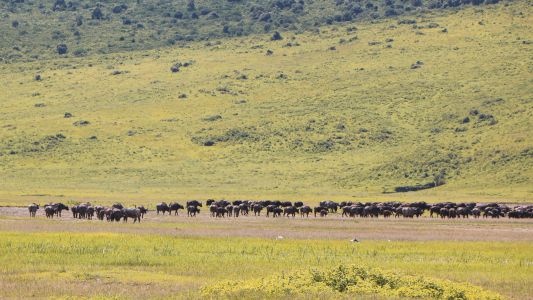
88, 211
224, 208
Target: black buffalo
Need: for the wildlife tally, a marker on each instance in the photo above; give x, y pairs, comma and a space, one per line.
174, 207
133, 213
162, 207
33, 208
192, 210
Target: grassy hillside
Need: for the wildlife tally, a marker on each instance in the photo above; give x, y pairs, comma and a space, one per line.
33, 30
352, 110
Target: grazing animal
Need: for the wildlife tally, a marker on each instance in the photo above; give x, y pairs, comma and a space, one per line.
213, 210
221, 212
116, 214
317, 209
194, 203
90, 212
305, 210
81, 211
290, 211
134, 213
229, 210
100, 214
108, 212
74, 210
357, 210
408, 212
452, 213
276, 212
117, 206
33, 208
174, 207
371, 211
49, 211
434, 210
346, 211
60, 207
236, 211
286, 204
98, 209
57, 208
162, 207
192, 210
270, 209
244, 208
144, 211
331, 206
257, 208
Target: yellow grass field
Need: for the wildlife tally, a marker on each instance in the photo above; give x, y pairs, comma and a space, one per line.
179, 257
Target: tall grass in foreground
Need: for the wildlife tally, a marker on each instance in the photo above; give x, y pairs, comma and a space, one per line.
126, 265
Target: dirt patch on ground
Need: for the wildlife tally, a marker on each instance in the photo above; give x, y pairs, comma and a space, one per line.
331, 227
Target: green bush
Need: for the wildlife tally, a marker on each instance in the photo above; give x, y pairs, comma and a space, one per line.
348, 280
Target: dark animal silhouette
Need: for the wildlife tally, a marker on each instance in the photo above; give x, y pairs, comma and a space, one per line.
174, 207
162, 207
33, 208
192, 210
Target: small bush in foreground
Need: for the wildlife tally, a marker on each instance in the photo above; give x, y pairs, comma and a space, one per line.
349, 280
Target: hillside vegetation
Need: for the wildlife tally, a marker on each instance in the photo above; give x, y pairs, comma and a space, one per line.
33, 30
349, 110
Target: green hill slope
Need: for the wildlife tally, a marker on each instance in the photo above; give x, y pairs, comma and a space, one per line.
352, 111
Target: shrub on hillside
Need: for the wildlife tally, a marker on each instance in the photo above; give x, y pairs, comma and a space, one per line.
283, 4
276, 36
59, 5
390, 12
191, 5
62, 49
81, 123
97, 14
204, 11
433, 4
79, 20
265, 17
80, 52
119, 8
